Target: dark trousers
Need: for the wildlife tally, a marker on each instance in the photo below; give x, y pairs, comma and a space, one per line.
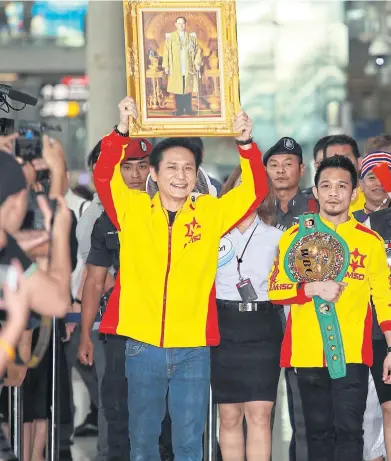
298, 444
114, 397
379, 354
334, 412
183, 102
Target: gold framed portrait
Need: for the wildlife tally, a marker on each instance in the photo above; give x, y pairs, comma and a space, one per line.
182, 67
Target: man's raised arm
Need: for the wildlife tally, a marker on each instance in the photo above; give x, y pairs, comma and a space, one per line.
115, 196
246, 197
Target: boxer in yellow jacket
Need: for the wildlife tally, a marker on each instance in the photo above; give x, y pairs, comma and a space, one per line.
168, 260
334, 409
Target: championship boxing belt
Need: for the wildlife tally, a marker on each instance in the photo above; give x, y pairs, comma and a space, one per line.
317, 253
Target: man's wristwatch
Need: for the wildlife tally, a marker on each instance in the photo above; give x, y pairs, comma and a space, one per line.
388, 350
124, 135
244, 143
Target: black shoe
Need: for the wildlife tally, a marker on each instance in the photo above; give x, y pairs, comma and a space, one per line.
65, 455
88, 428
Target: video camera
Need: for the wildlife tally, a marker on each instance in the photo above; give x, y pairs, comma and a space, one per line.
28, 145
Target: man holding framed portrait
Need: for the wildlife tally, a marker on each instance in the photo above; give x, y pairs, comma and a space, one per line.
165, 289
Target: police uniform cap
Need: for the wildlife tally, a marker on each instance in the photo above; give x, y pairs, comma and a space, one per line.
284, 146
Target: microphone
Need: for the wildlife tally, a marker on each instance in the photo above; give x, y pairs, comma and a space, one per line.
18, 96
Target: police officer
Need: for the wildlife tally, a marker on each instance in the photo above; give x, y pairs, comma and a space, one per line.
285, 167
102, 266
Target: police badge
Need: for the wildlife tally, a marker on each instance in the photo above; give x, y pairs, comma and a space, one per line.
143, 146
289, 143
317, 253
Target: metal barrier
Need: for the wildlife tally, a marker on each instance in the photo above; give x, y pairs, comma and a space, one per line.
15, 402
16, 420
54, 424
210, 434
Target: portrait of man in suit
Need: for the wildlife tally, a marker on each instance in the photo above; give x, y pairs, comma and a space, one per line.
182, 64
182, 60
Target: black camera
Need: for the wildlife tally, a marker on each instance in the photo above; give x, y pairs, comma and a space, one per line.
28, 145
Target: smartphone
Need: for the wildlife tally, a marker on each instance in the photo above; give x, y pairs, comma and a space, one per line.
8, 275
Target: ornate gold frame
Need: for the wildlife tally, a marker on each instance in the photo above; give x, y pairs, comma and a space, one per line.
189, 126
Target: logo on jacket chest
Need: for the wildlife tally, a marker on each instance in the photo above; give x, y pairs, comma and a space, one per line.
357, 261
193, 233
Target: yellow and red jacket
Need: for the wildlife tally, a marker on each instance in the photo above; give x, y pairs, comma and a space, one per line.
359, 202
367, 275
165, 287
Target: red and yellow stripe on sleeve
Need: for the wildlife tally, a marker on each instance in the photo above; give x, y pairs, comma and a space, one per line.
107, 176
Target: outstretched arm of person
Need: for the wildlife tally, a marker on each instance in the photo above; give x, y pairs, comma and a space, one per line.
16, 305
115, 196
237, 204
379, 281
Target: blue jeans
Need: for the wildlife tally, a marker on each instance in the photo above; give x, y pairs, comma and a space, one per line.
152, 372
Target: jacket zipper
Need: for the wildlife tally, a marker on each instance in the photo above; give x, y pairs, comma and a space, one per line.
165, 287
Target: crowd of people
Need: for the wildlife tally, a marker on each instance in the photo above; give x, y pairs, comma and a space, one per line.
183, 285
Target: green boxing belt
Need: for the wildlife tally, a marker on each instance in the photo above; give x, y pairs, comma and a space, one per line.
317, 253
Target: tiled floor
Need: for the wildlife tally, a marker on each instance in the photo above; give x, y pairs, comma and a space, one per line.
84, 449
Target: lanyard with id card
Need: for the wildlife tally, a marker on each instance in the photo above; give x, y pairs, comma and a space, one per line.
245, 287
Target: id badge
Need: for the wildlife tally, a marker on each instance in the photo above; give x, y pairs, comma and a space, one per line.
246, 291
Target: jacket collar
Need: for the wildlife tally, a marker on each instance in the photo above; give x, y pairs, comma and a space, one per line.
188, 205
350, 223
